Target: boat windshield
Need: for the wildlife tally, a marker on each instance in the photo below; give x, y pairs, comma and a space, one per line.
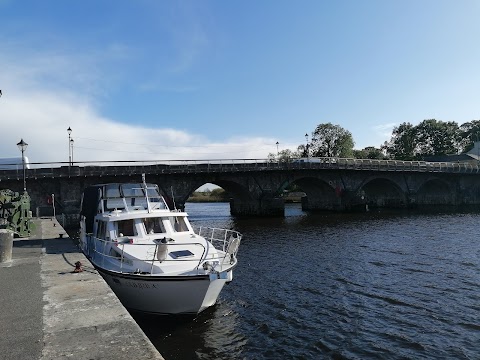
137, 191
126, 228
178, 223
112, 191
153, 226
132, 190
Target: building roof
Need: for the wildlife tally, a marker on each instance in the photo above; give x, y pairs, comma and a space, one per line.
471, 155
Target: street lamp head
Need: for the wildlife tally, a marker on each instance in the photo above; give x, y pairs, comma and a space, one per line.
306, 137
69, 130
71, 142
22, 145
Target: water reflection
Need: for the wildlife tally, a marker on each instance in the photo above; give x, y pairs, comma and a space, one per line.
377, 285
213, 334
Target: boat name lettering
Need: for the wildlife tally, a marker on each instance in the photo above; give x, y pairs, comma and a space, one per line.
139, 285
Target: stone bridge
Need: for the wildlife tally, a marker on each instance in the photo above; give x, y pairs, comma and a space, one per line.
256, 187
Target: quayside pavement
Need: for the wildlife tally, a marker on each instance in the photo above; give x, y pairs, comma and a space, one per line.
49, 312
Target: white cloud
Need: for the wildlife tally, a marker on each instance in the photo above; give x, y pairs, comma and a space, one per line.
45, 93
384, 130
42, 119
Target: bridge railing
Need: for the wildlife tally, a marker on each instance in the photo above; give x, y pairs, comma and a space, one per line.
105, 168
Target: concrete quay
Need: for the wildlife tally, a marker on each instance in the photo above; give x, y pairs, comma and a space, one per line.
49, 312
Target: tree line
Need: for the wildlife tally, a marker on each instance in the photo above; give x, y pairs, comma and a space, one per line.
408, 142
215, 195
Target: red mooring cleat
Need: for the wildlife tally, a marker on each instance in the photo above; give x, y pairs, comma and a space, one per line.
78, 267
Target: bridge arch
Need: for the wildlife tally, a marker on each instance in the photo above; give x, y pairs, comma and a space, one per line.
232, 188
321, 194
435, 191
382, 192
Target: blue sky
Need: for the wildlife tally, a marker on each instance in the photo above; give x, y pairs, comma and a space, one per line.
139, 80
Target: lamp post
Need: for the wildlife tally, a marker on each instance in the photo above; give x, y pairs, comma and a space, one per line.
306, 146
22, 145
71, 145
277, 147
69, 131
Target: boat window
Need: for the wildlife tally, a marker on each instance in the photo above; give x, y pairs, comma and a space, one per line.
178, 223
115, 253
132, 190
112, 191
154, 226
126, 228
101, 226
155, 199
157, 203
152, 192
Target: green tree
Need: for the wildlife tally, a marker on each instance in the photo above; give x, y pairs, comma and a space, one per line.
370, 152
437, 137
287, 155
284, 156
271, 158
403, 143
302, 151
469, 133
219, 194
330, 140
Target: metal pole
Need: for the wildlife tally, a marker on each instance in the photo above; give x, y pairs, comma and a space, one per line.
71, 143
22, 145
23, 165
53, 204
69, 131
69, 152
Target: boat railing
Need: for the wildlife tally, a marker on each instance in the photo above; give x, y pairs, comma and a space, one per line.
228, 241
102, 248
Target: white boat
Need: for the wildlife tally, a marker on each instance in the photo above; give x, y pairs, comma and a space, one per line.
151, 256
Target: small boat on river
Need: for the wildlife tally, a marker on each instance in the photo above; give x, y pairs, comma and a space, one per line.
150, 255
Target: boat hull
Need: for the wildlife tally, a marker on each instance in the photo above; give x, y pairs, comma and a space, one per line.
166, 295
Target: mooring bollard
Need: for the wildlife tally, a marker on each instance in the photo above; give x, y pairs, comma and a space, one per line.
6, 245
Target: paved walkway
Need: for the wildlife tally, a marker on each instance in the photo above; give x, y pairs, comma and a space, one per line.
49, 312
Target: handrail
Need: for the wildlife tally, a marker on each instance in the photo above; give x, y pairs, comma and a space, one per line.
221, 244
90, 168
212, 238
122, 258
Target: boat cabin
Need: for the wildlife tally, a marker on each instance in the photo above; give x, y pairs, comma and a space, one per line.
120, 199
113, 227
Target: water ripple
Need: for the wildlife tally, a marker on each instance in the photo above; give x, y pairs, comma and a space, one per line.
354, 286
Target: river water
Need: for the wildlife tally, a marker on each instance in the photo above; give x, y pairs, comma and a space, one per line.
338, 286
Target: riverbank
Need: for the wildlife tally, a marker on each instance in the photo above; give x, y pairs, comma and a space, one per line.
206, 199
218, 195
212, 197
51, 312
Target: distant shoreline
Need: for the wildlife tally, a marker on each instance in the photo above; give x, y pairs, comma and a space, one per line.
205, 199
219, 195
